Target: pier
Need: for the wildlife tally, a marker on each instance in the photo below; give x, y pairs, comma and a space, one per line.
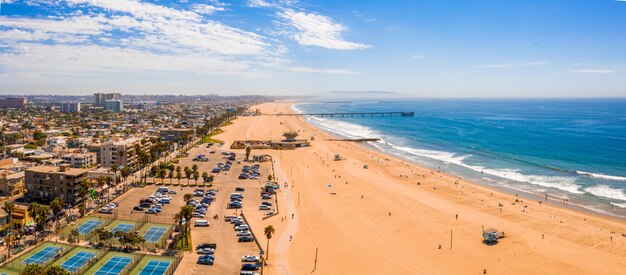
357, 114
354, 139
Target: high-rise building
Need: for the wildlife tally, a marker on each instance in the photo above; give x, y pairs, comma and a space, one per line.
114, 105
101, 98
14, 102
71, 107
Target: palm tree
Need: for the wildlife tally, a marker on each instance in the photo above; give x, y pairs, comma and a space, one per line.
178, 176
170, 175
8, 207
269, 231
248, 150
56, 205
83, 189
194, 168
186, 212
205, 176
162, 175
38, 213
188, 173
125, 173
196, 176
187, 197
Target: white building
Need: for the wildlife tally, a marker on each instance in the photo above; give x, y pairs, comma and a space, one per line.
114, 105
70, 107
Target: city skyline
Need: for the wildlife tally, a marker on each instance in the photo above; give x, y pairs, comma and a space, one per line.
289, 47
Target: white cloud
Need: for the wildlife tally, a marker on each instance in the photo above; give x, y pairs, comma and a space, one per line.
39, 58
418, 56
594, 71
259, 4
320, 71
510, 65
317, 30
207, 9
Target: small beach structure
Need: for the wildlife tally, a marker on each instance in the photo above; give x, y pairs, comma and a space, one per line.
338, 157
290, 142
491, 236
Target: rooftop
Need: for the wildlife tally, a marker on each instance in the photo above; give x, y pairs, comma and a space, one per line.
57, 170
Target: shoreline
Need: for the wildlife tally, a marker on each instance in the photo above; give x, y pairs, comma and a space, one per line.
576, 207
371, 221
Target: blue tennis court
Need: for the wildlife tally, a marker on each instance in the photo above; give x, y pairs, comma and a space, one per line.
43, 256
89, 226
155, 267
77, 261
114, 266
154, 234
124, 227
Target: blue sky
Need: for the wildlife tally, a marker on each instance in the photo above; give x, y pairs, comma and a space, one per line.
290, 47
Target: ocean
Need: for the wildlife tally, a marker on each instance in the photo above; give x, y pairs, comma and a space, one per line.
572, 149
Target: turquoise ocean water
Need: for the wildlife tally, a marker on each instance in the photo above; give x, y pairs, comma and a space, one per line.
570, 149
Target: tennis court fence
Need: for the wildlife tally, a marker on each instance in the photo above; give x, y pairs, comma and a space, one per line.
85, 267
120, 214
19, 265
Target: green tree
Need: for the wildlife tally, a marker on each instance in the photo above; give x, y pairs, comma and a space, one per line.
188, 174
187, 197
162, 173
56, 205
196, 176
248, 150
33, 269
170, 175
9, 207
186, 212
268, 232
104, 235
56, 270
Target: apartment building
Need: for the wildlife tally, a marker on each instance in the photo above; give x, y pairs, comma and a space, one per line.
99, 99
14, 102
11, 183
122, 152
70, 107
80, 160
44, 183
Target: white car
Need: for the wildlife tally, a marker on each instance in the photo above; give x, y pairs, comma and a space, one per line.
242, 227
205, 251
243, 233
265, 207
197, 215
250, 259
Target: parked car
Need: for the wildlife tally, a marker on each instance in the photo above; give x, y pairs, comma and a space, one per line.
151, 211
206, 245
243, 233
138, 208
264, 207
173, 192
203, 260
250, 258
245, 239
105, 210
251, 267
205, 251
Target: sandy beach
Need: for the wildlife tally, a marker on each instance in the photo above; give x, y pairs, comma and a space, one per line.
398, 218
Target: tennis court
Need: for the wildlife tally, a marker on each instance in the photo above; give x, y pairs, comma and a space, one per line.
124, 227
155, 267
77, 261
114, 266
43, 256
154, 234
88, 226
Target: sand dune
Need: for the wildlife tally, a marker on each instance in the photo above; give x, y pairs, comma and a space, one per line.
380, 223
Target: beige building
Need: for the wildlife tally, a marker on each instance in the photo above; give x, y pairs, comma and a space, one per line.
11, 183
47, 182
122, 153
80, 160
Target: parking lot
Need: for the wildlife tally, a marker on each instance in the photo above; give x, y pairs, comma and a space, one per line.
229, 252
